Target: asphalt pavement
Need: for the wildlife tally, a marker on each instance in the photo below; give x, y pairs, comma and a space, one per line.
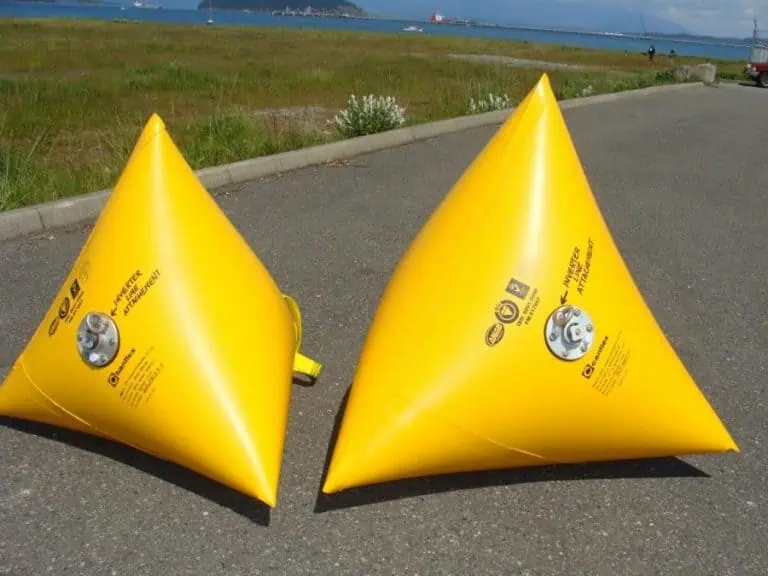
681, 180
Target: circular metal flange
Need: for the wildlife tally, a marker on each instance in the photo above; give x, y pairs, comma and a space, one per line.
569, 332
97, 339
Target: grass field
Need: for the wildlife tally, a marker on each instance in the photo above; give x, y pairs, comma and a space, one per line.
74, 95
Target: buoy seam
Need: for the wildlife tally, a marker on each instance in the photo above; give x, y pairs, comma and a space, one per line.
48, 398
431, 412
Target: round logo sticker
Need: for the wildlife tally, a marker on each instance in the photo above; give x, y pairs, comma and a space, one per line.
507, 311
53, 326
494, 334
64, 308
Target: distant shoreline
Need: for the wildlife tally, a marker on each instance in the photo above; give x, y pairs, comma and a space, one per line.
730, 42
683, 38
124, 10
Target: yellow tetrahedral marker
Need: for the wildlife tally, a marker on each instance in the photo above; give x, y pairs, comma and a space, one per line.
168, 334
512, 334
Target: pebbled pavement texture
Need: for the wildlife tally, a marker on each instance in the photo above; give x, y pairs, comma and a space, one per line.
680, 177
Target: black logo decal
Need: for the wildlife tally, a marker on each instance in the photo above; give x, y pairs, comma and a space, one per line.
517, 288
74, 289
507, 311
64, 308
114, 377
494, 334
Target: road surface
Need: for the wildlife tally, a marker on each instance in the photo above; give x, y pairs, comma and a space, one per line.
680, 177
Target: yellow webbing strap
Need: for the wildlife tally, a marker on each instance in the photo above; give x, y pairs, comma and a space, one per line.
301, 364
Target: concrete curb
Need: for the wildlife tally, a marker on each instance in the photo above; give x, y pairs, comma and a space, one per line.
86, 208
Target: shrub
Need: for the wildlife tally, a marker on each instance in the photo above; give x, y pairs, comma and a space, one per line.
488, 103
574, 88
666, 76
371, 115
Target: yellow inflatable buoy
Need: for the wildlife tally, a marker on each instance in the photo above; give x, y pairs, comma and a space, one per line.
168, 334
512, 334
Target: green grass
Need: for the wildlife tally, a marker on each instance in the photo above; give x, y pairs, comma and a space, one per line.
74, 95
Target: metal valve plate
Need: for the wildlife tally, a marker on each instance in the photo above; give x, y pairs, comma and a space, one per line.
569, 332
97, 339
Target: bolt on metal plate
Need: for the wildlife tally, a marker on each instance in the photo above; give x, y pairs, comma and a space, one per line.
569, 332
97, 339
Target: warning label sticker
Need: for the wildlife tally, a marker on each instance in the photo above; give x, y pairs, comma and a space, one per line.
133, 290
517, 309
71, 302
609, 365
577, 272
137, 378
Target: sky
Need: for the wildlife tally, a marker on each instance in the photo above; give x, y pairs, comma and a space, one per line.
715, 17
725, 18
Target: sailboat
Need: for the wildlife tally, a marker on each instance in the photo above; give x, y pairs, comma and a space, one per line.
146, 5
210, 16
645, 29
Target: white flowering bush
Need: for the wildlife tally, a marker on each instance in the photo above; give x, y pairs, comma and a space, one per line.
370, 115
488, 103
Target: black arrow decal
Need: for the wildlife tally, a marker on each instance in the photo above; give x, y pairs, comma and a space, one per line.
564, 297
113, 312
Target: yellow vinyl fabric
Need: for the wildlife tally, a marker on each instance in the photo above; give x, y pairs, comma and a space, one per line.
168, 334
512, 334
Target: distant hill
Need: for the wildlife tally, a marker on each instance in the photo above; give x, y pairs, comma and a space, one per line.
337, 6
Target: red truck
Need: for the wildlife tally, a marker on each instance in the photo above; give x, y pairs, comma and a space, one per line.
757, 64
758, 71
